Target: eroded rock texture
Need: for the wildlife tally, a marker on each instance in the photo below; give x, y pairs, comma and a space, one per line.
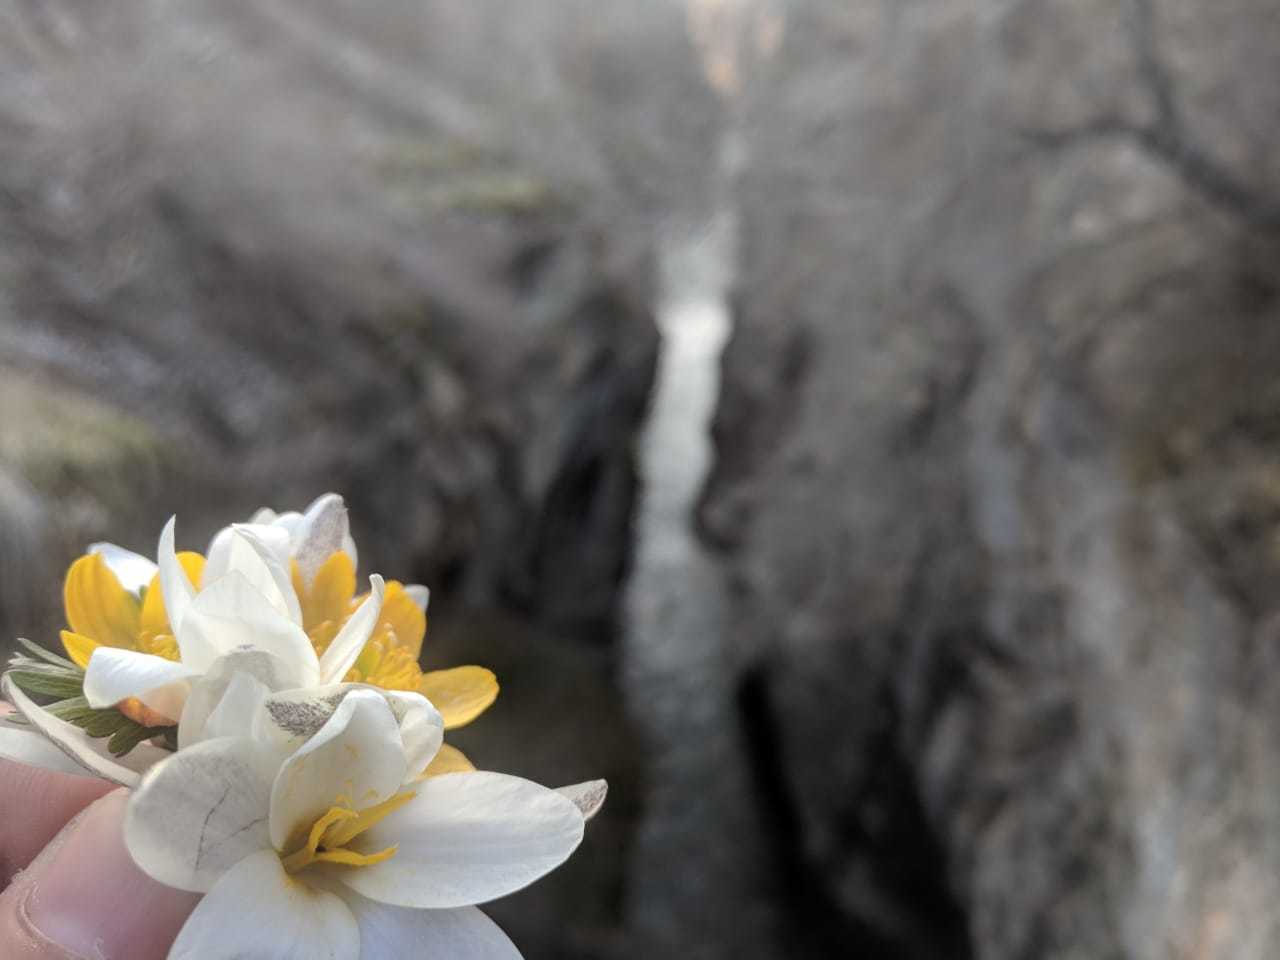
998, 479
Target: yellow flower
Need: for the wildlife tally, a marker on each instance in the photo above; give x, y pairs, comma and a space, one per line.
390, 658
102, 613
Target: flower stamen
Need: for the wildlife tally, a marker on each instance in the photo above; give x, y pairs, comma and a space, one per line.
338, 826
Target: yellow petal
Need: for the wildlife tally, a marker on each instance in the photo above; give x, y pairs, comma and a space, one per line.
155, 619
402, 617
460, 694
449, 760
79, 648
97, 606
329, 595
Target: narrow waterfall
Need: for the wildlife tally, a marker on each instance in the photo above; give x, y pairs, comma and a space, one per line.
697, 805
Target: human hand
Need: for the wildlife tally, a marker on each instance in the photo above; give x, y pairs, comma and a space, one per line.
70, 889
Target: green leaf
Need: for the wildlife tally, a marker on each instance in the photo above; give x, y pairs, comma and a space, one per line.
47, 683
71, 707
48, 656
129, 736
98, 723
103, 723
108, 722
39, 666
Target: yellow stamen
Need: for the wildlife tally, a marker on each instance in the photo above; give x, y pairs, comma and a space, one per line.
390, 658
352, 859
384, 664
403, 618
343, 833
301, 858
338, 826
160, 645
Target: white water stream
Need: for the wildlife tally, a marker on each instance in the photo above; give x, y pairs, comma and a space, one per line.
698, 815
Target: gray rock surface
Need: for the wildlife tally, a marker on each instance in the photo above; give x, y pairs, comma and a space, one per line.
997, 474
252, 252
236, 272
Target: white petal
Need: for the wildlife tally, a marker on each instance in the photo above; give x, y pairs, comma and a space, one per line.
218, 560
90, 753
27, 745
589, 797
419, 595
176, 588
230, 614
288, 522
356, 755
467, 838
275, 537
133, 570
341, 654
290, 718
208, 693
254, 556
462, 934
233, 716
421, 727
259, 912
264, 515
319, 534
200, 812
114, 675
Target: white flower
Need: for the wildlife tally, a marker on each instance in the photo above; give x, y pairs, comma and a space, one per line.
312, 836
307, 538
248, 604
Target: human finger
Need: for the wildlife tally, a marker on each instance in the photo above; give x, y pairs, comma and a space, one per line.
84, 898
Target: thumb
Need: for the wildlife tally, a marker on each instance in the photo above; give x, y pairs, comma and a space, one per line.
84, 898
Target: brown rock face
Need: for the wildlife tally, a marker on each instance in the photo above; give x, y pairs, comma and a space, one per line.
997, 473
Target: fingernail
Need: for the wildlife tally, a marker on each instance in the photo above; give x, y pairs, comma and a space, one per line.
93, 901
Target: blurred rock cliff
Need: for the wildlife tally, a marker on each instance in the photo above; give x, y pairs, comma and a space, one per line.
971, 648
997, 476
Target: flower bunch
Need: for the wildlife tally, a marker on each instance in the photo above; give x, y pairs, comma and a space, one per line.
284, 748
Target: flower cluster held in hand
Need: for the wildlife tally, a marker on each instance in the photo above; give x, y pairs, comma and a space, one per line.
285, 748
